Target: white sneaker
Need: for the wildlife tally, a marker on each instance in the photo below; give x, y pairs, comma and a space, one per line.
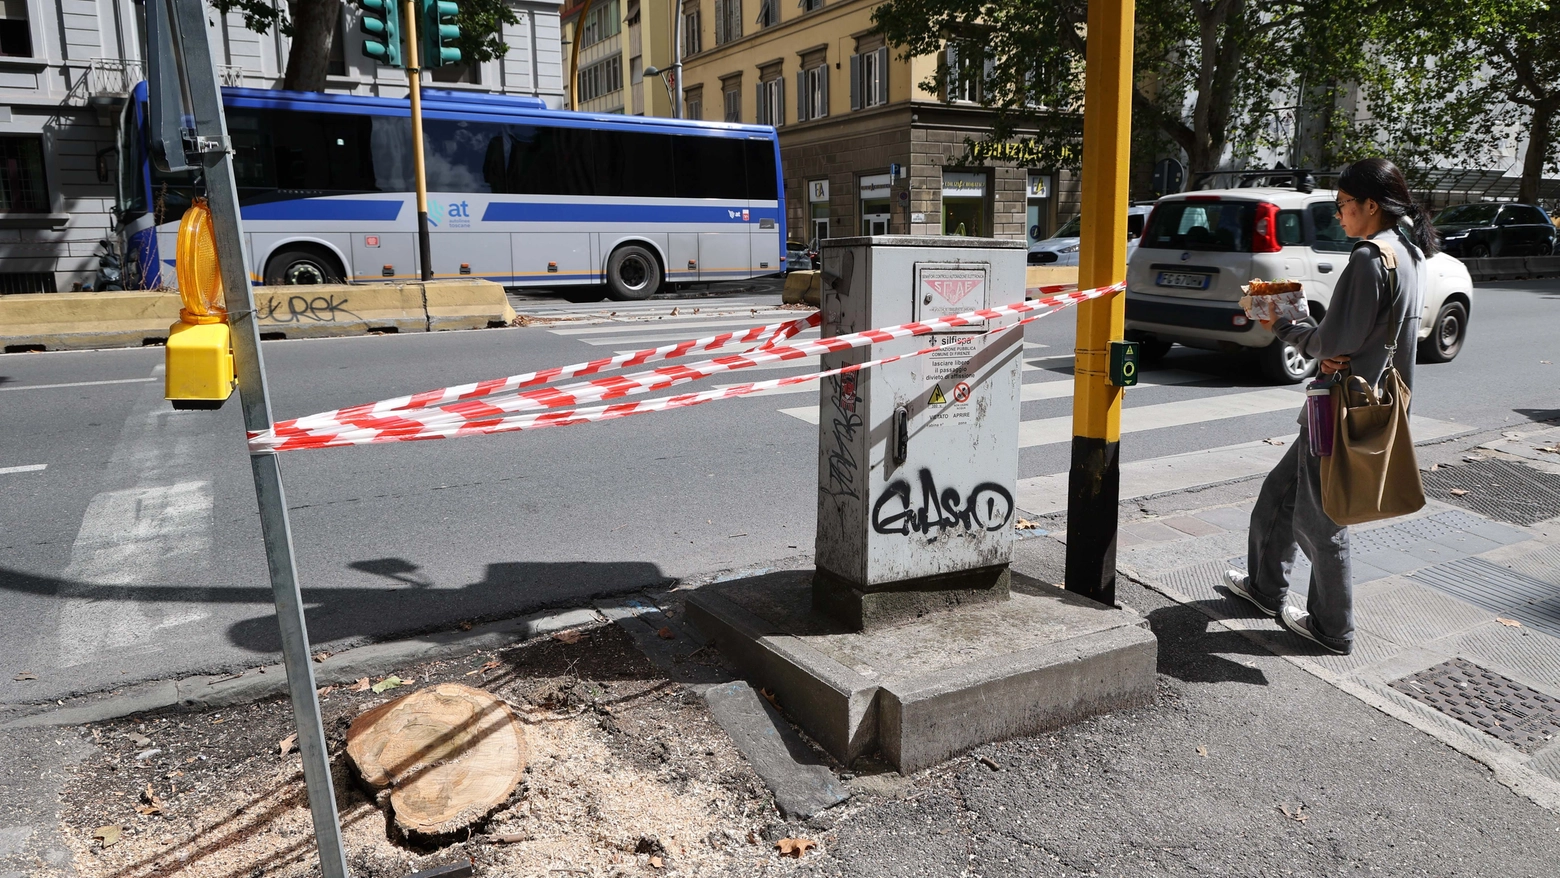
1298, 622
1239, 584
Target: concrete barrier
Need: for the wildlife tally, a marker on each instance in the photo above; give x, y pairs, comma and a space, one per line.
1049, 275
1513, 267
84, 321
803, 287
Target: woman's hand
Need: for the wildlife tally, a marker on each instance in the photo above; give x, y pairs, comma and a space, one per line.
1267, 324
1333, 365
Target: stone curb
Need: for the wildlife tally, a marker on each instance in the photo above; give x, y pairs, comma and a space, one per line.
343, 667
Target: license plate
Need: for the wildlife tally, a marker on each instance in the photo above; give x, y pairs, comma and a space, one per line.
1188, 281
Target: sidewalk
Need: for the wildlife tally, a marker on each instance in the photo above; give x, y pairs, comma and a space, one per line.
1258, 756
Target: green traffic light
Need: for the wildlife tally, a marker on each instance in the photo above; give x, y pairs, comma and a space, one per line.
382, 24
437, 37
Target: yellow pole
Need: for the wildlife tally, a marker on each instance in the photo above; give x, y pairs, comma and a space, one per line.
414, 78
574, 60
1095, 480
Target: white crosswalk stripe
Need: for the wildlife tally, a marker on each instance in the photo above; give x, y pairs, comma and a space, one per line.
1047, 372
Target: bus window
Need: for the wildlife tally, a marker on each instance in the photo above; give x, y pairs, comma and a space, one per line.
761, 170
709, 167
457, 152
633, 164
550, 161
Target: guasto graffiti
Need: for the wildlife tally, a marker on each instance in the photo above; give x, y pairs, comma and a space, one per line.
987, 507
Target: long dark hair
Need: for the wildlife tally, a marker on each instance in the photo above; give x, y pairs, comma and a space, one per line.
1380, 181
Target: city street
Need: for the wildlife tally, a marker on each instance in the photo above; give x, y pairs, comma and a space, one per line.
132, 549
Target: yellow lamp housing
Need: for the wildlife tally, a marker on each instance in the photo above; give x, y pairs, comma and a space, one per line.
199, 356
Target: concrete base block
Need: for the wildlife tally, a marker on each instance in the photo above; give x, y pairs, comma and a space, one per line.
895, 603
927, 690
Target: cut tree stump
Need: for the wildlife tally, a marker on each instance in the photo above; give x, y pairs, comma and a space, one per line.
448, 754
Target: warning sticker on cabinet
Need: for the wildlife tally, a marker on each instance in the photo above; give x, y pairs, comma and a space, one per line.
943, 290
948, 379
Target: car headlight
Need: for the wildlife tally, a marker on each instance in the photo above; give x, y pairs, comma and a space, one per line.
1452, 236
1070, 248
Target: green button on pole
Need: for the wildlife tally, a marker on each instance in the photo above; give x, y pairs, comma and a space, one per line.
1123, 363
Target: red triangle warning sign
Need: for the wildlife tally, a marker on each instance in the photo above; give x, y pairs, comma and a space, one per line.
937, 397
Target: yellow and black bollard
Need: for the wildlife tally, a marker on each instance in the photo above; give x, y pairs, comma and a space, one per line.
199, 356
1094, 485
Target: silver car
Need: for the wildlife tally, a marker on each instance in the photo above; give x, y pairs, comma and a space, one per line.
1184, 279
1062, 248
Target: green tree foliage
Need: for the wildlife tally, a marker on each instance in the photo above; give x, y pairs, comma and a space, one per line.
311, 26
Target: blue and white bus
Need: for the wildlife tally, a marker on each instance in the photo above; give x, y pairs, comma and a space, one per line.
517, 193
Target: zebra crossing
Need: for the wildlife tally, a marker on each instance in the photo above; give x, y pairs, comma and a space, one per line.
1165, 399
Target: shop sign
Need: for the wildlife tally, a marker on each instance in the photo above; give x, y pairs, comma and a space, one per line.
818, 190
958, 184
876, 186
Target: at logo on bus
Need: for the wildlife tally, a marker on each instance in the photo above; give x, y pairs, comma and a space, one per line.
458, 214
738, 213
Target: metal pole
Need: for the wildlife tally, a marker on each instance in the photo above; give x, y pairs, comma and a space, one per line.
574, 59
222, 192
677, 55
1094, 485
414, 79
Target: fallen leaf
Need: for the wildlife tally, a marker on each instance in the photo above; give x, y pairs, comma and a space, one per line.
667, 633
655, 863
139, 740
1458, 492
569, 636
324, 691
1024, 524
1549, 449
674, 312
769, 696
150, 803
321, 656
1434, 467
1298, 814
1274, 441
25, 676
490, 666
289, 743
989, 762
1509, 623
1202, 751
109, 835
361, 685
466, 626
794, 847
387, 683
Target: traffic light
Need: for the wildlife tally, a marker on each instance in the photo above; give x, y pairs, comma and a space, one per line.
437, 38
382, 25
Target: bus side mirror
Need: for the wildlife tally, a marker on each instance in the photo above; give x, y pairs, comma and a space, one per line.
107, 163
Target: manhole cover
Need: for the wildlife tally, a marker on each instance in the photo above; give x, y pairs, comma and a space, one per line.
1520, 716
1498, 489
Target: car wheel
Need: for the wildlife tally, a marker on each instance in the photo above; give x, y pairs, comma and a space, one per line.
1446, 336
1283, 363
303, 266
1479, 251
633, 273
1546, 248
1153, 350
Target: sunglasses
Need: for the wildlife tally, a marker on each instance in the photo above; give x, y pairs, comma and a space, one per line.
1338, 205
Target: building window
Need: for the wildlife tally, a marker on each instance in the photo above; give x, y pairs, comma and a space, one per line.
818, 210
464, 72
869, 79
600, 22
767, 13
21, 174
636, 70
967, 72
964, 203
603, 77
877, 192
812, 93
771, 101
728, 21
693, 103
15, 29
692, 31
733, 95
810, 5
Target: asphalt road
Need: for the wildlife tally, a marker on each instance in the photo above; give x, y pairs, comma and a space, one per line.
135, 552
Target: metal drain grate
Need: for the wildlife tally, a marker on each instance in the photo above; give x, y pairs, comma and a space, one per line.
1498, 489
1520, 716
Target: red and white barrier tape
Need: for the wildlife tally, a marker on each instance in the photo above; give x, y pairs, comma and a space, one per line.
432, 415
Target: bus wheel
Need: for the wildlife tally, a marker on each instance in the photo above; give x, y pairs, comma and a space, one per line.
302, 265
633, 273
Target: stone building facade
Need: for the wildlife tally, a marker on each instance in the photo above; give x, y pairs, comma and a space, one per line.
67, 66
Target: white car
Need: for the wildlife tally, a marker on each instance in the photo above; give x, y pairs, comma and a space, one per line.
1062, 248
1184, 279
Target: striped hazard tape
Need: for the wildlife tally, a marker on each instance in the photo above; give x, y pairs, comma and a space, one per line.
499, 405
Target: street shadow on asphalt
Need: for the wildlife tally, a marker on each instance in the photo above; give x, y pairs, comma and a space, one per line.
410, 606
1189, 651
1539, 415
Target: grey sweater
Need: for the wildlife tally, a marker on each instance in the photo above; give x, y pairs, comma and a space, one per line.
1358, 322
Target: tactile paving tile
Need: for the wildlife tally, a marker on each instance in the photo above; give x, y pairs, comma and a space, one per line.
1368, 649
1499, 489
1496, 705
1532, 602
1547, 763
1410, 614
1529, 655
1200, 582
1542, 564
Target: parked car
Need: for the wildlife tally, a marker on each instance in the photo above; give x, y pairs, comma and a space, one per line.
1062, 248
798, 257
1478, 231
1198, 248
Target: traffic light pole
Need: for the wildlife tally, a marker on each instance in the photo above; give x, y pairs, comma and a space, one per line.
414, 79
1094, 486
216, 167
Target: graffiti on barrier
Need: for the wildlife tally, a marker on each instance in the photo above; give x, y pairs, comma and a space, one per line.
304, 309
989, 507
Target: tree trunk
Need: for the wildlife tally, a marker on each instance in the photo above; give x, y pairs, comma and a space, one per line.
1540, 137
314, 28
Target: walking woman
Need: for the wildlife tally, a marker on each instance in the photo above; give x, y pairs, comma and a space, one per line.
1374, 205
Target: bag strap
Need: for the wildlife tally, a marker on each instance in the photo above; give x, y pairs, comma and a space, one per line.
1388, 257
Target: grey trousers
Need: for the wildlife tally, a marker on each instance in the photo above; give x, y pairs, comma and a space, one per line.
1289, 516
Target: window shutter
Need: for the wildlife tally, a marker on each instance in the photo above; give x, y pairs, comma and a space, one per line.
823, 93
951, 83
882, 80
763, 111
801, 96
988, 70
779, 102
855, 82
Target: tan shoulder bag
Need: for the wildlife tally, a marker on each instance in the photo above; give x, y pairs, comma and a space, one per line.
1372, 472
